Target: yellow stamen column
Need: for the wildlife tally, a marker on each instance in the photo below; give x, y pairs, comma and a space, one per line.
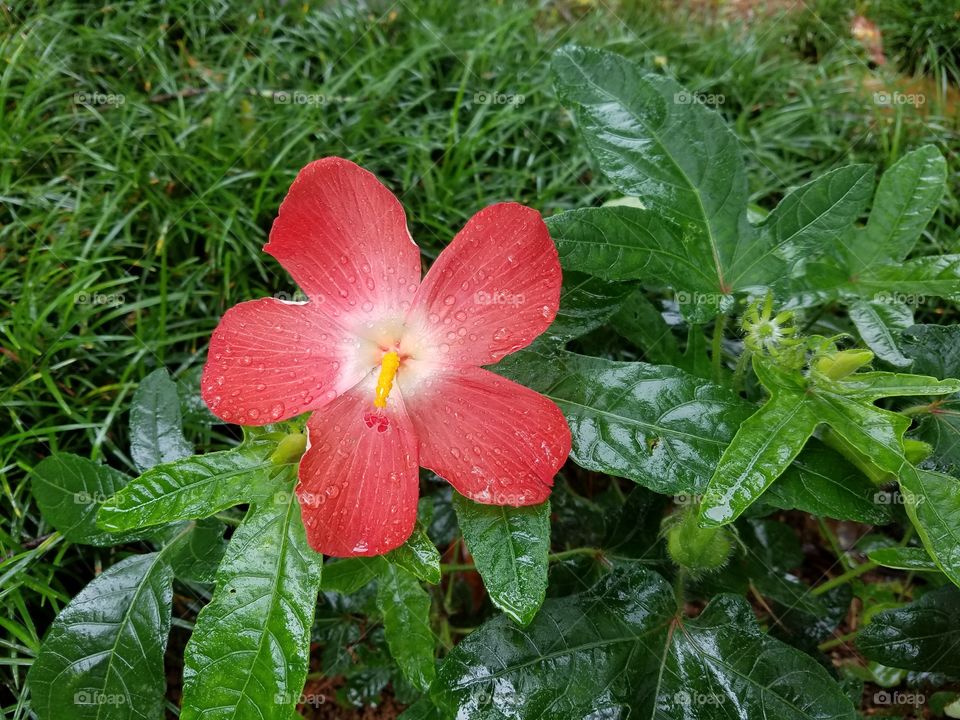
388, 371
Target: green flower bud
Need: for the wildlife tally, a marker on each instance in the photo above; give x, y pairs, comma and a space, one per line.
838, 365
289, 449
696, 549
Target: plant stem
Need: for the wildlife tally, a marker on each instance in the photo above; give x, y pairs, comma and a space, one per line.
834, 642
846, 577
716, 355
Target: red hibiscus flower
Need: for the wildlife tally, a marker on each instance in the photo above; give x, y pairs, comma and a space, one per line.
390, 365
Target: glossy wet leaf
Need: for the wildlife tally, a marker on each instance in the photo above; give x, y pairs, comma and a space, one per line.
418, 556
880, 325
766, 443
654, 424
248, 654
199, 553
509, 546
103, 656
680, 160
156, 429
405, 607
640, 322
347, 575
191, 488
934, 350
70, 490
619, 649
906, 198
914, 559
822, 482
923, 635
586, 303
933, 503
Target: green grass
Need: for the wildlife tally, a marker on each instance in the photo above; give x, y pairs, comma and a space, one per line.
127, 228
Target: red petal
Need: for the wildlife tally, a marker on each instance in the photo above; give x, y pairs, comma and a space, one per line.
270, 360
343, 237
495, 441
359, 478
492, 291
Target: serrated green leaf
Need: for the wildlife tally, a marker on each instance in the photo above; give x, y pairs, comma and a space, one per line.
880, 325
932, 501
934, 350
103, 656
510, 546
70, 491
405, 607
620, 649
822, 482
654, 424
192, 488
156, 429
917, 279
904, 558
923, 635
418, 556
907, 196
248, 654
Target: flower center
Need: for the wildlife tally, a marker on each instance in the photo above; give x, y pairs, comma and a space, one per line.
388, 371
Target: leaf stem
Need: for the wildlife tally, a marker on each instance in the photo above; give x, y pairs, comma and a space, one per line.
553, 557
834, 642
846, 577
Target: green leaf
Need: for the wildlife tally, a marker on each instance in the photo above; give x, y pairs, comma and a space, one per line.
932, 501
620, 649
192, 488
405, 607
640, 322
934, 349
922, 636
823, 483
908, 195
347, 575
679, 159
766, 443
879, 325
103, 655
656, 425
683, 164
912, 280
586, 303
904, 558
198, 554
70, 490
418, 556
810, 218
510, 547
156, 430
248, 655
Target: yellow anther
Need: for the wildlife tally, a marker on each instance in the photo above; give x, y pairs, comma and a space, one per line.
388, 371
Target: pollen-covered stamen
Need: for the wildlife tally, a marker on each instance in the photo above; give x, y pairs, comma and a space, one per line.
388, 371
